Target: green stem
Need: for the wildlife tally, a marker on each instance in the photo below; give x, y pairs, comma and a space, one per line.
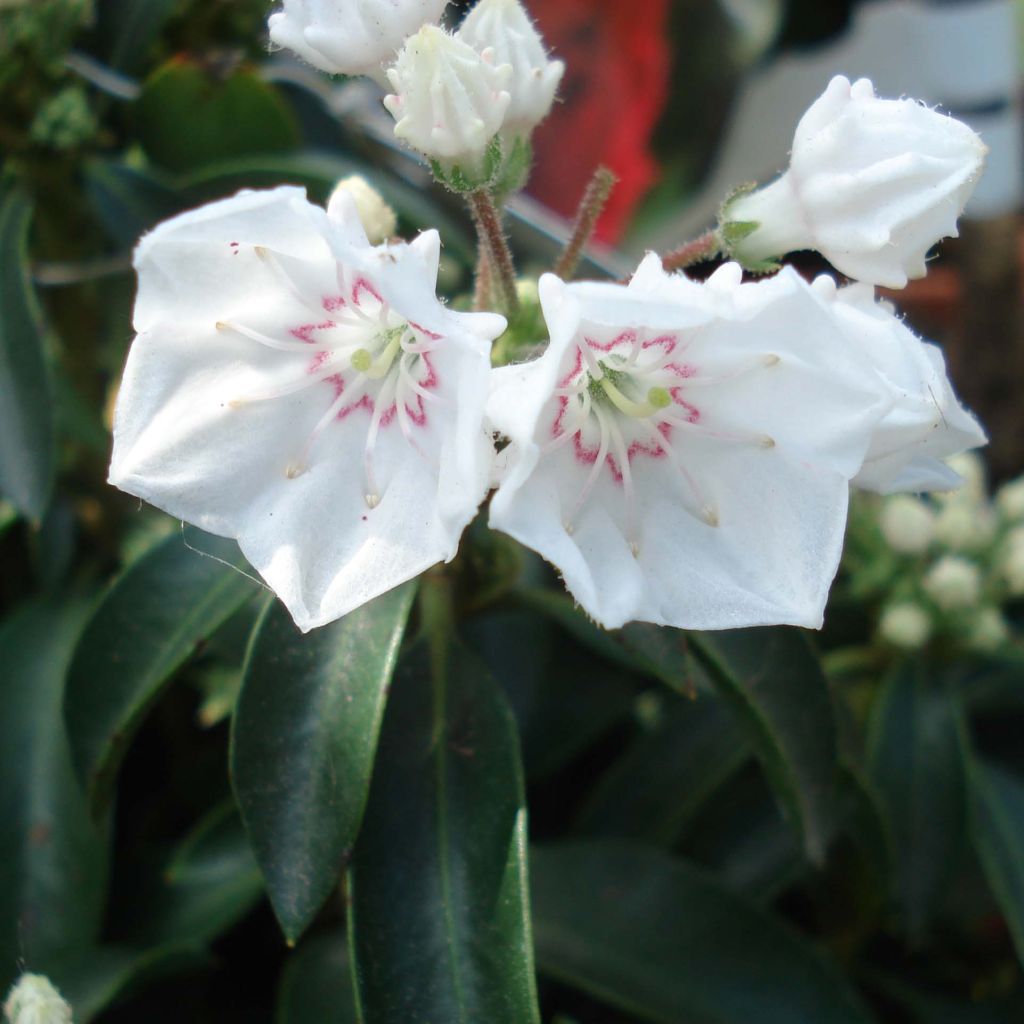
594, 200
492, 237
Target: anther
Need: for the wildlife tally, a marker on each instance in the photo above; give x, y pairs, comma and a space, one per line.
767, 442
634, 548
372, 500
295, 470
772, 360
709, 515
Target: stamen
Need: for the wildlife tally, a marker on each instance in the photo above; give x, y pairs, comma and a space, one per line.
385, 397
622, 456
596, 372
764, 362
704, 510
592, 477
271, 260
329, 368
263, 339
759, 440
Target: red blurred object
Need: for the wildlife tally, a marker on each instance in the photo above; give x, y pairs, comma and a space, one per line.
617, 59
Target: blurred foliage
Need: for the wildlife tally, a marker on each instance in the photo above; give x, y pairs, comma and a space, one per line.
754, 825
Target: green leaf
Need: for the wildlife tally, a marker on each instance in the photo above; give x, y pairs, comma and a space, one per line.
129, 28
211, 881
93, 979
147, 625
52, 860
916, 765
26, 411
773, 679
665, 942
439, 922
302, 745
661, 779
997, 831
316, 987
125, 200
189, 116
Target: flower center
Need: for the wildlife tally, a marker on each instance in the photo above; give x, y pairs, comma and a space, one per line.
375, 360
628, 398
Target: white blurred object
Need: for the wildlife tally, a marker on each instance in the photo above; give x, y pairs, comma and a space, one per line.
961, 57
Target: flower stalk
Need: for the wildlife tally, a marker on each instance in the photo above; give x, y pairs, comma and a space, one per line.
495, 245
700, 250
592, 205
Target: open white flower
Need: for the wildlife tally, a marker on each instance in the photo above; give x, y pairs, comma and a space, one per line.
297, 389
504, 27
449, 101
682, 452
350, 37
926, 424
872, 185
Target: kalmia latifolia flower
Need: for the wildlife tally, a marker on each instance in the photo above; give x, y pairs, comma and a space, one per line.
926, 424
504, 27
872, 185
304, 392
682, 452
350, 37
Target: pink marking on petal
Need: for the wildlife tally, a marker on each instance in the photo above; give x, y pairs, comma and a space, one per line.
363, 285
332, 303
305, 332
422, 330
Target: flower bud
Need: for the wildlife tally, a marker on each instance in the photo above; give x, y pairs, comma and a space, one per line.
953, 583
907, 524
872, 185
378, 219
965, 526
970, 467
1010, 500
905, 625
1011, 561
988, 630
449, 103
34, 1000
350, 38
504, 27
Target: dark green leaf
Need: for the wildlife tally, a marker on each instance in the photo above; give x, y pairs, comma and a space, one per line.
189, 116
774, 680
316, 987
149, 622
52, 861
26, 411
302, 745
926, 1007
655, 786
666, 942
997, 830
129, 28
210, 883
915, 763
127, 201
439, 917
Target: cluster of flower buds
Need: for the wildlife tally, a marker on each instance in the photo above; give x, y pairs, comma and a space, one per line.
944, 569
468, 101
682, 452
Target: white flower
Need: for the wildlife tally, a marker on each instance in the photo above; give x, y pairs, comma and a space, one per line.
449, 101
872, 185
907, 524
953, 583
378, 219
350, 37
297, 389
1010, 499
681, 452
34, 1000
905, 625
926, 423
506, 28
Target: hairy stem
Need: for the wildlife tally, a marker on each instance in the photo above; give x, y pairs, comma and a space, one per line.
707, 247
591, 206
484, 279
499, 257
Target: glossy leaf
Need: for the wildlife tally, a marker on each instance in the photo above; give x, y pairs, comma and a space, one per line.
915, 763
26, 411
211, 881
146, 626
774, 681
189, 116
997, 831
303, 741
439, 922
52, 860
127, 201
316, 987
665, 942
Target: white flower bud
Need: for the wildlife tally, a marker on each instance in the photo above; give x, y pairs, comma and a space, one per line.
1010, 500
449, 101
378, 219
350, 38
1011, 561
872, 185
504, 27
971, 468
905, 625
965, 526
988, 630
953, 583
34, 1000
907, 524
